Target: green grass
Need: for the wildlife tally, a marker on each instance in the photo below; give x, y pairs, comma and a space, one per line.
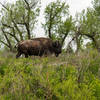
68, 77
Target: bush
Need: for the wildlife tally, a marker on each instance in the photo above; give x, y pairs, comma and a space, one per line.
73, 77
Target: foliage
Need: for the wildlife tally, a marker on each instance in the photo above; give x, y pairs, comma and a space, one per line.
18, 21
71, 76
58, 22
89, 26
51, 78
88, 22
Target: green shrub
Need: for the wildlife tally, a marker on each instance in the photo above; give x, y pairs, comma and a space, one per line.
72, 77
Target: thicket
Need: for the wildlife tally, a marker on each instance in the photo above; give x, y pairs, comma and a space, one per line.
68, 77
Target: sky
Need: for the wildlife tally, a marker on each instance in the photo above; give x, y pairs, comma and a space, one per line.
75, 6
78, 5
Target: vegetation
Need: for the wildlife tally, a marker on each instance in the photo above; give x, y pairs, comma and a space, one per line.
68, 77
58, 24
18, 22
58, 21
72, 75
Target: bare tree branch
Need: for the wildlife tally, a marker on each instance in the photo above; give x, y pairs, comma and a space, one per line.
6, 25
4, 43
8, 41
28, 6
77, 34
50, 25
28, 19
13, 35
33, 5
20, 33
4, 6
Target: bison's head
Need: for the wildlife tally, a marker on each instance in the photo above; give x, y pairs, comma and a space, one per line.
57, 48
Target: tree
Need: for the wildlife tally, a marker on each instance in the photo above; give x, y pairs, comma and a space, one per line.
58, 22
88, 26
18, 21
65, 28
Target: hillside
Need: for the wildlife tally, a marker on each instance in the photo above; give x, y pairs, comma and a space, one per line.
68, 77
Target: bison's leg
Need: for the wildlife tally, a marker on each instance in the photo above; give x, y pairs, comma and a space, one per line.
41, 54
18, 55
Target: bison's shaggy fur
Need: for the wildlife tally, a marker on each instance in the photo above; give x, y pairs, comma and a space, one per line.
38, 47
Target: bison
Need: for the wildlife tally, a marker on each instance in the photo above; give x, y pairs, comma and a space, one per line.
50, 46
38, 47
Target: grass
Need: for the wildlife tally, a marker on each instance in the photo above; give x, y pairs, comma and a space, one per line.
68, 77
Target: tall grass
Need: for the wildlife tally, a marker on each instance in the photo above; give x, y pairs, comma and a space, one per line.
68, 77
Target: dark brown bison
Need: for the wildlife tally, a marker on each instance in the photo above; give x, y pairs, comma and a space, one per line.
38, 47
50, 46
